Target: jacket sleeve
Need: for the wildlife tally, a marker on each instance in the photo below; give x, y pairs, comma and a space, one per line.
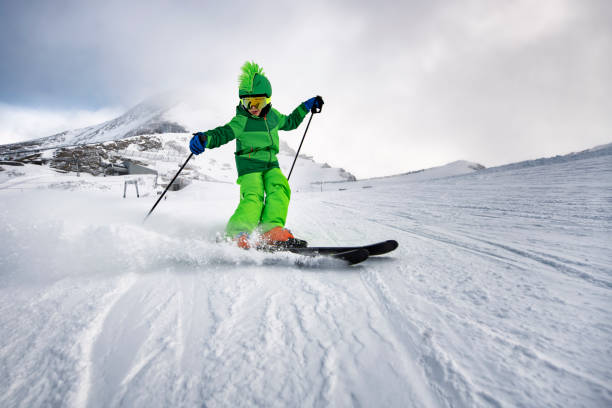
223, 134
293, 120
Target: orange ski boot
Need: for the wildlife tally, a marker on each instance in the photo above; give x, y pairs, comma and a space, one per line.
281, 238
242, 241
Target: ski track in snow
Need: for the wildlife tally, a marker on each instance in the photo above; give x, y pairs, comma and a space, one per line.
499, 295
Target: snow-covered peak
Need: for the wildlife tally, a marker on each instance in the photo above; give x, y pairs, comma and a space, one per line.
145, 118
148, 117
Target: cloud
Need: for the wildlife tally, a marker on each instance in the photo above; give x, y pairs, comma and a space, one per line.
407, 84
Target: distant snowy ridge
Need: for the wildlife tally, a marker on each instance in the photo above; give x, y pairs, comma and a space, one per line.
456, 168
145, 118
597, 151
463, 167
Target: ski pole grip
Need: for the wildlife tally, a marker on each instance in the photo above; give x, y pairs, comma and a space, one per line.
318, 105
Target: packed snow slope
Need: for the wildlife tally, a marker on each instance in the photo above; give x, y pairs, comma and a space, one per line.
499, 294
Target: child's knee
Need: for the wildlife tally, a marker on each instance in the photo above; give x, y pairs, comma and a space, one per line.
252, 196
251, 187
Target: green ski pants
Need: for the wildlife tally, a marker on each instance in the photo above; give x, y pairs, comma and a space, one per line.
252, 210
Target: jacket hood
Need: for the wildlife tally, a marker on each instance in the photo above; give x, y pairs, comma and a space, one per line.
252, 81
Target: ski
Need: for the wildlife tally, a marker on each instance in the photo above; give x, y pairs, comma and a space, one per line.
378, 248
351, 257
350, 254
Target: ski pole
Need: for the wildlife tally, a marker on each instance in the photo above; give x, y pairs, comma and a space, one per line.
314, 110
167, 187
298, 150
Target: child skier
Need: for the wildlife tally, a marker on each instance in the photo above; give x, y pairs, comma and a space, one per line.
264, 190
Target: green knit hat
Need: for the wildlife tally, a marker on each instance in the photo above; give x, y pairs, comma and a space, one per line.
252, 81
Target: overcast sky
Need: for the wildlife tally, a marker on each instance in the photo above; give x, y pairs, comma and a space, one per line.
407, 84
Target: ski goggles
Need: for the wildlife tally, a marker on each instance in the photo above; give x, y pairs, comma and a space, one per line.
257, 102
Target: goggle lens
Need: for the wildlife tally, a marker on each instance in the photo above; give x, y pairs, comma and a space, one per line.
257, 102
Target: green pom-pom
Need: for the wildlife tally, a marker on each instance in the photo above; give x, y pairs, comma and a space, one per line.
245, 80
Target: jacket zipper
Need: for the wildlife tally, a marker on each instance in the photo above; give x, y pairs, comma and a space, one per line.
271, 141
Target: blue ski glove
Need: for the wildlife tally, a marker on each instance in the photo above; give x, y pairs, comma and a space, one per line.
197, 143
314, 104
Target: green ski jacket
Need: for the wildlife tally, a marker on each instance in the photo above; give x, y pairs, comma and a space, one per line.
256, 137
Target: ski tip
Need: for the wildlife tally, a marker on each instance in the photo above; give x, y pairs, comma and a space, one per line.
353, 256
382, 248
393, 244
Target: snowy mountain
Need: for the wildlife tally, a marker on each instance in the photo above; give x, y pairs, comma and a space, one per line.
148, 117
499, 294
